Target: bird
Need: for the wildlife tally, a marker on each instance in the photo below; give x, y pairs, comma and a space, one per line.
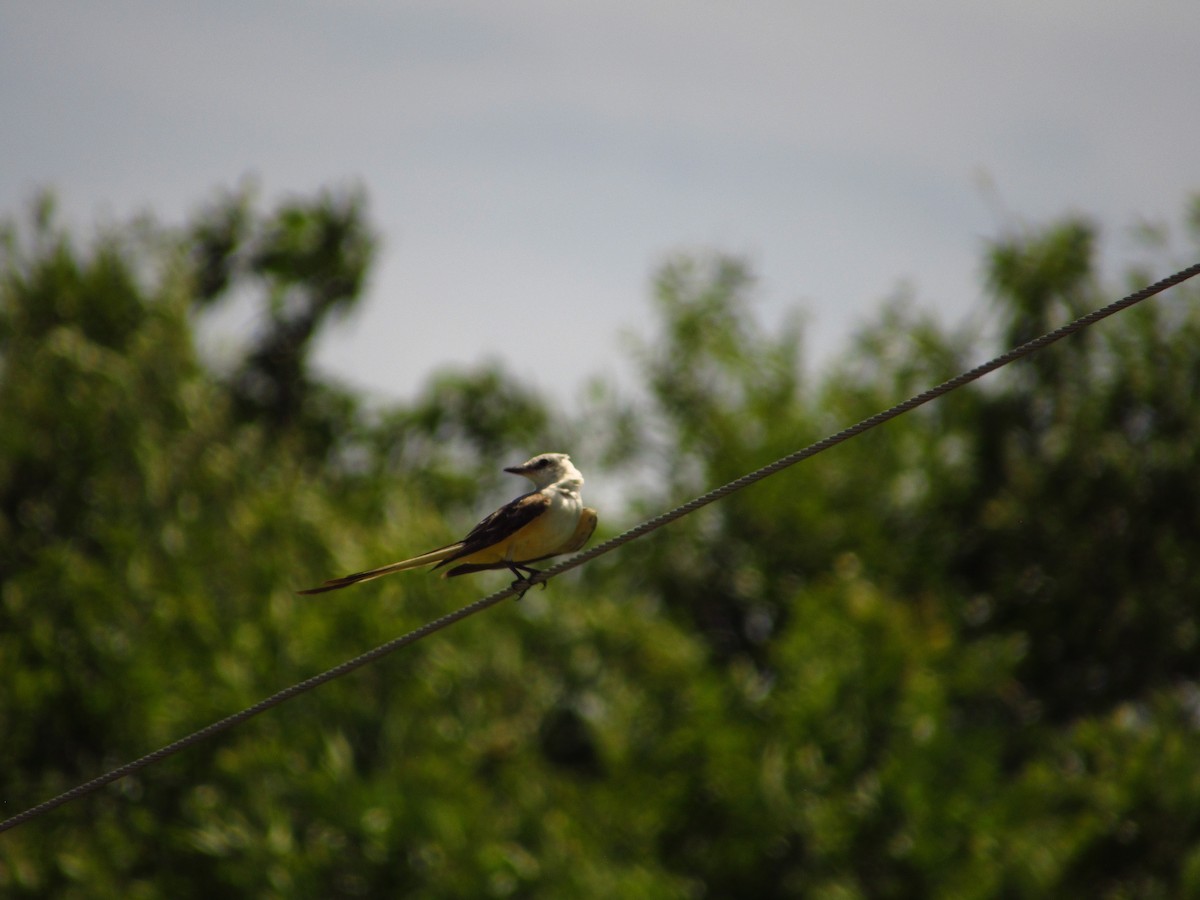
548, 521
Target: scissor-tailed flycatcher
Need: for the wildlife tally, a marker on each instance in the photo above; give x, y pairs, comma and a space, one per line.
546, 522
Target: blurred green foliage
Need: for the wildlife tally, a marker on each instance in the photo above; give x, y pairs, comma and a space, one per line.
955, 657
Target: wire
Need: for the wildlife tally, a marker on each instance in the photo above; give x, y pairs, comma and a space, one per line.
606, 547
262, 706
867, 424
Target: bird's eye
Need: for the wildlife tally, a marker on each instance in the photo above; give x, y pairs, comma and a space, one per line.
542, 463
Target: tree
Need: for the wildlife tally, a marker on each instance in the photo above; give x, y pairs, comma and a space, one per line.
1010, 580
953, 657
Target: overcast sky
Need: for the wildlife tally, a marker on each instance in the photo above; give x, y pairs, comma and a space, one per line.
530, 163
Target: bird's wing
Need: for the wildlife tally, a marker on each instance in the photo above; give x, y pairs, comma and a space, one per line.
583, 531
493, 530
500, 525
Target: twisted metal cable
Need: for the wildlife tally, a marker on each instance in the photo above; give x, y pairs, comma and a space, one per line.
867, 424
262, 706
606, 547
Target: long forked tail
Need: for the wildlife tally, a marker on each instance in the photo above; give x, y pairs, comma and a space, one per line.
416, 562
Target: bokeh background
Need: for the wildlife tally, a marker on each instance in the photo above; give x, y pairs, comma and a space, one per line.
283, 287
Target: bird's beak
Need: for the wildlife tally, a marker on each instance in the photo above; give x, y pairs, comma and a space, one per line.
516, 470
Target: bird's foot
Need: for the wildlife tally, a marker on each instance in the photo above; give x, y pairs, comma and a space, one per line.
524, 583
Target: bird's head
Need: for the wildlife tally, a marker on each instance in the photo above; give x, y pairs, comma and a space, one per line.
546, 469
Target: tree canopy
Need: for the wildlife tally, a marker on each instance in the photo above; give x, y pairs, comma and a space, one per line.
956, 657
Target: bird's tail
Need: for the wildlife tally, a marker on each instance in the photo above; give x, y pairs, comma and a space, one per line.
416, 562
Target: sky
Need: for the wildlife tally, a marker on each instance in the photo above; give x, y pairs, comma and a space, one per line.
530, 164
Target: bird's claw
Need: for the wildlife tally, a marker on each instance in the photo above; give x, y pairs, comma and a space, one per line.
522, 586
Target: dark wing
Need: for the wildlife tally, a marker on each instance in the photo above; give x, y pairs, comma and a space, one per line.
505, 521
583, 531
